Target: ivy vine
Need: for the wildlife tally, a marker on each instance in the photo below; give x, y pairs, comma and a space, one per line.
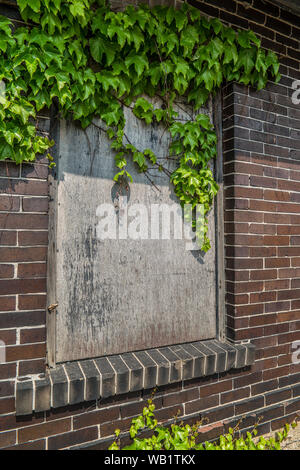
93, 61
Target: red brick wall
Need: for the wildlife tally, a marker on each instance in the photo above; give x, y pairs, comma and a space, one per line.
262, 238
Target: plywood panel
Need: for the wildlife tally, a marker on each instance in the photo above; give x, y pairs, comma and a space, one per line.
123, 295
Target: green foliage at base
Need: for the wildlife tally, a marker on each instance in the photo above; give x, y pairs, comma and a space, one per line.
184, 437
92, 62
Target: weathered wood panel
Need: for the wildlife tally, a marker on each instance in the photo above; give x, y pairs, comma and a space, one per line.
122, 295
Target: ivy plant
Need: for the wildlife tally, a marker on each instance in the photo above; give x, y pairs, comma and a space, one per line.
93, 62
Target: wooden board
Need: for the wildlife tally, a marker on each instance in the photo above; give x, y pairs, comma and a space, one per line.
116, 296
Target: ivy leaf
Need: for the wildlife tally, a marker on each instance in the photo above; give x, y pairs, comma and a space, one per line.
137, 38
77, 8
204, 121
140, 63
181, 19
100, 47
108, 80
25, 3
155, 74
215, 48
243, 39
261, 63
5, 25
113, 30
272, 60
230, 54
143, 103
35, 5
188, 38
32, 66
139, 158
199, 96
246, 60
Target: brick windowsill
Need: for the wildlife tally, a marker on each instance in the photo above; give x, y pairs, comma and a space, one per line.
92, 379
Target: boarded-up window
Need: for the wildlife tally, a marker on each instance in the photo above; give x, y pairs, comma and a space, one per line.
122, 295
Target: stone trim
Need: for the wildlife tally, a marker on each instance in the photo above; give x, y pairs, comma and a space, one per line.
92, 379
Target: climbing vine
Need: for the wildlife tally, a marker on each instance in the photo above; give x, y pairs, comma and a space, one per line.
92, 62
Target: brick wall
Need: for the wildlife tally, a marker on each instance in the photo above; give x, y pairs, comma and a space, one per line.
262, 237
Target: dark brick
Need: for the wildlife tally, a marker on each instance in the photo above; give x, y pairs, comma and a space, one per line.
32, 433
96, 417
76, 383
249, 405
72, 438
24, 398
92, 377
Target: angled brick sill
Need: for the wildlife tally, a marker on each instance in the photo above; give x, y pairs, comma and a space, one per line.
92, 379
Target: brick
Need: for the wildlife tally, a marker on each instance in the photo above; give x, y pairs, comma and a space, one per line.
229, 5
6, 271
8, 336
11, 421
266, 7
34, 335
136, 372
17, 255
59, 380
209, 432
264, 387
32, 270
150, 369
92, 380
36, 302
233, 19
15, 353
76, 382
163, 365
235, 395
24, 221
108, 377
8, 371
187, 361
32, 238
7, 405
96, 417
32, 433
35, 204
249, 379
218, 414
9, 203
35, 445
24, 398
9, 169
71, 438
202, 404
175, 373
278, 396
35, 170
122, 374
36, 366
42, 400
21, 319
7, 238
249, 405
24, 187
215, 388
7, 439
273, 373
7, 388
22, 286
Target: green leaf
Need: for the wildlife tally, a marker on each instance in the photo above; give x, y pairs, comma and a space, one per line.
99, 48
140, 63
